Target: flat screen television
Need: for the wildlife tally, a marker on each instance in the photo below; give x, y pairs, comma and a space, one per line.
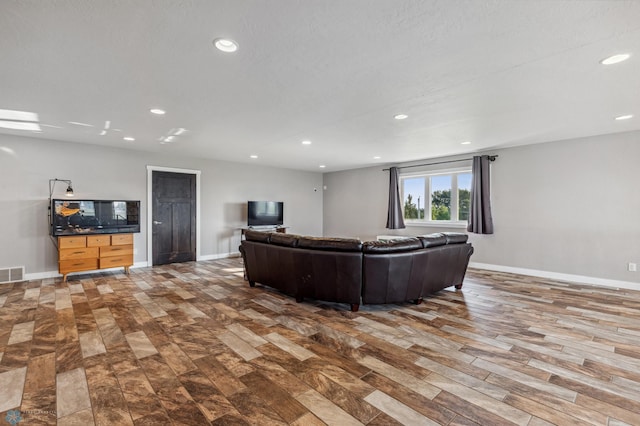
76, 217
265, 213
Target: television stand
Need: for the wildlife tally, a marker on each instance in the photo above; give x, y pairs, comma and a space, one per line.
280, 229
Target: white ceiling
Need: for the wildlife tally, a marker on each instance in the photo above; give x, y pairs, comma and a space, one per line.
496, 73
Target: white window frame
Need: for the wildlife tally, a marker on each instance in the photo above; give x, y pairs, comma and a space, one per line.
427, 221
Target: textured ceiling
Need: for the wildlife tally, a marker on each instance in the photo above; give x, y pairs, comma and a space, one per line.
496, 73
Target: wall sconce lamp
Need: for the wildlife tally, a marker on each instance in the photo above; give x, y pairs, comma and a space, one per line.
52, 185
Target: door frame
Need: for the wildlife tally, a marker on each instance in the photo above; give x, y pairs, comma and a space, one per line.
150, 170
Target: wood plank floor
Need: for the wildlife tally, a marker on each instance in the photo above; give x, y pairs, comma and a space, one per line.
194, 344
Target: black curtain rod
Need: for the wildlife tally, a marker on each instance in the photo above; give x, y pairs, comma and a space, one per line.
491, 158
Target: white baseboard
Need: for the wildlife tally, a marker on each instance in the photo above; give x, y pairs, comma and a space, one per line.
55, 274
219, 256
580, 279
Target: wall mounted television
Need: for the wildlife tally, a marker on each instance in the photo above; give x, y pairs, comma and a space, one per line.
265, 213
77, 217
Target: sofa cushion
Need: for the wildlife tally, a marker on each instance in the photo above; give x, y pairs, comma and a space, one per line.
287, 240
455, 237
259, 236
333, 244
392, 246
433, 240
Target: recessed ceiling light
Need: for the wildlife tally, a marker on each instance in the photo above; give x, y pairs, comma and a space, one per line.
129, 138
377, 157
225, 45
624, 117
322, 166
400, 116
253, 156
20, 125
465, 143
19, 120
157, 111
306, 142
12, 115
615, 59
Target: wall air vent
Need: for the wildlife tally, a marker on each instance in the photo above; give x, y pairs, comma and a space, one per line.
9, 275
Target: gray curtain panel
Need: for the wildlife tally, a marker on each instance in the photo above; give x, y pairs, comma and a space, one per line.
394, 215
480, 218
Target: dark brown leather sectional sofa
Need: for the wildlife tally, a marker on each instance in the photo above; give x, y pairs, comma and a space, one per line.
350, 271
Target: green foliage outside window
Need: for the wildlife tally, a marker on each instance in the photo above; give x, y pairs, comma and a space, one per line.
440, 206
464, 204
411, 209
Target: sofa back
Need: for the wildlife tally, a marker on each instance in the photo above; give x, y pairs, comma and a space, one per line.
349, 271
269, 264
408, 269
327, 269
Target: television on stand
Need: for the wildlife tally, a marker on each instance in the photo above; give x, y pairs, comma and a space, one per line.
265, 214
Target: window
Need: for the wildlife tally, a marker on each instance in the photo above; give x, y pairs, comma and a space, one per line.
442, 197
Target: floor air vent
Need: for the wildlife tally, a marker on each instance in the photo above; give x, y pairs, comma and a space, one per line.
8, 275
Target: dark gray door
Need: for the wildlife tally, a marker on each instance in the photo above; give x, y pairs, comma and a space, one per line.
174, 217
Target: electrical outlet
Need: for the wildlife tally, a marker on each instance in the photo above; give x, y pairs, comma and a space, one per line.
632, 267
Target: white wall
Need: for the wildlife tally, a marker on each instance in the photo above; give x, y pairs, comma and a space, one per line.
567, 207
27, 164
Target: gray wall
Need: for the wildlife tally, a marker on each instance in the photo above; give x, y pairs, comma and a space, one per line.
27, 164
569, 207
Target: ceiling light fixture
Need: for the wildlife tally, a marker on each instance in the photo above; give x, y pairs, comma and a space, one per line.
400, 116
129, 138
465, 143
615, 59
377, 157
19, 120
157, 111
225, 45
322, 166
624, 117
306, 142
13, 115
253, 156
20, 125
